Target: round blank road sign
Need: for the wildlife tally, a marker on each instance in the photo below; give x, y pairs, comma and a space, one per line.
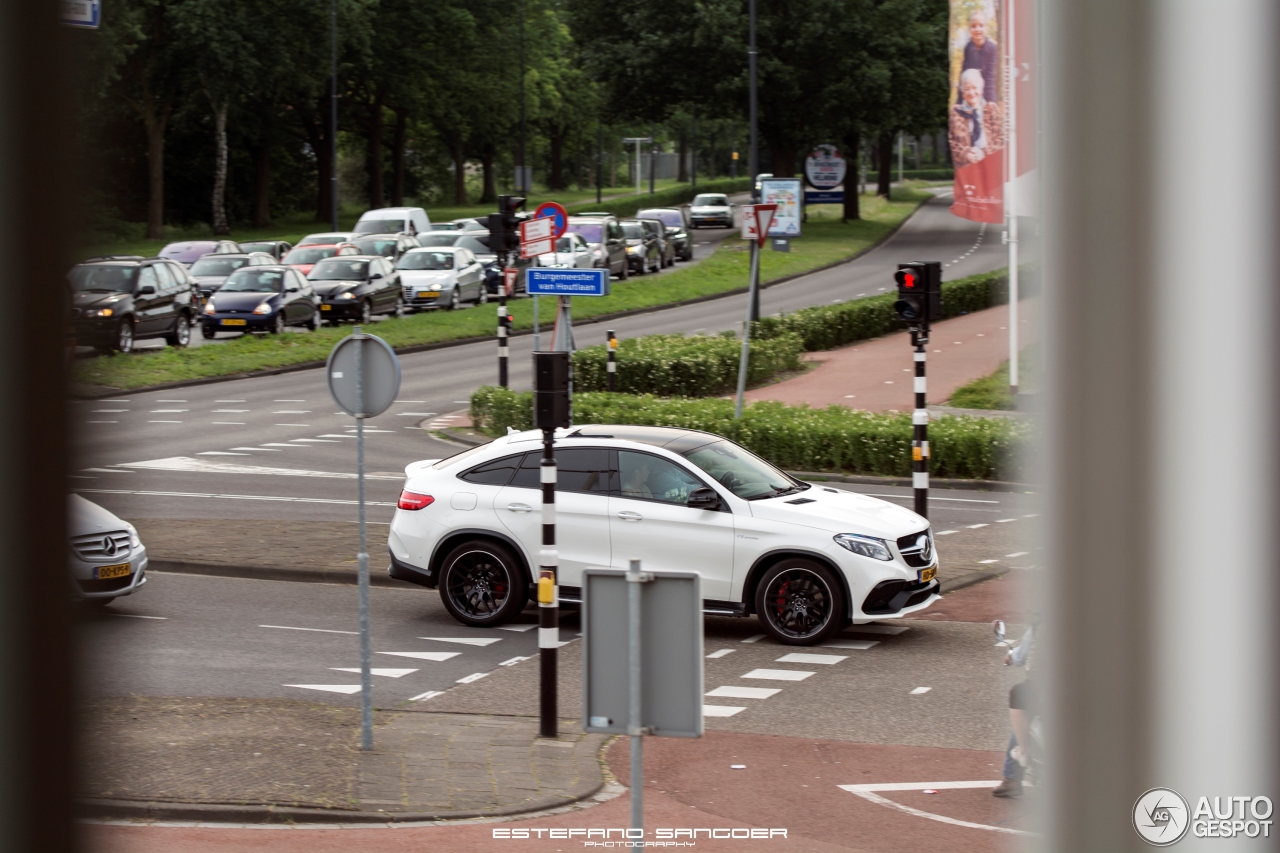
380, 369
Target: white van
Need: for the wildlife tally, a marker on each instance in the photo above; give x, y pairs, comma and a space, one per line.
393, 220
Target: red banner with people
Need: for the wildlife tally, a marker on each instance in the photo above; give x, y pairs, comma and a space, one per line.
978, 107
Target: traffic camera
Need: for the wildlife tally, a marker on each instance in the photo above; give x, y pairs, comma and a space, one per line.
919, 292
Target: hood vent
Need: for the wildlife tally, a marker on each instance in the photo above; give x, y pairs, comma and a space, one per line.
800, 501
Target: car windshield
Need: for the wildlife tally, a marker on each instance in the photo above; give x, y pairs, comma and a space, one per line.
437, 239
339, 269
106, 278
322, 239
742, 472
268, 247
309, 255
633, 230
710, 201
591, 233
443, 226
426, 261
475, 244
379, 226
217, 266
253, 280
385, 247
670, 218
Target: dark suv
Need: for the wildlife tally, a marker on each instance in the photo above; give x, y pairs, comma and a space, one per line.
672, 219
116, 301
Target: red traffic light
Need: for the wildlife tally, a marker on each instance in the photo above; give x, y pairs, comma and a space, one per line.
906, 278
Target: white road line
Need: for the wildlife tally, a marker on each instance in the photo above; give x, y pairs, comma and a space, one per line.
292, 412
230, 411
385, 673
205, 466
521, 628
733, 692
867, 792
778, 674
430, 694
720, 710
304, 426
316, 440
475, 676
228, 423
801, 657
920, 691
279, 444
152, 494
228, 401
945, 532
257, 449
1016, 554
414, 414
468, 641
334, 435
987, 562
975, 526
107, 471
1032, 515
136, 616
331, 688
857, 645
515, 660
164, 422
288, 401
1005, 520
932, 498
436, 656
719, 653
114, 401
220, 453
754, 638
168, 411
107, 411
317, 630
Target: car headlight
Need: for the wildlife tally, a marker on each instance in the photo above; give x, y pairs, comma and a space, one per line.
103, 312
209, 309
134, 541
633, 249
347, 295
264, 308
864, 546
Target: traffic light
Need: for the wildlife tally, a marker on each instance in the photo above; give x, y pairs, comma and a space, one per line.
504, 226
919, 292
551, 373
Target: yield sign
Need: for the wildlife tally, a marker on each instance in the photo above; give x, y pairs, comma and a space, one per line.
763, 219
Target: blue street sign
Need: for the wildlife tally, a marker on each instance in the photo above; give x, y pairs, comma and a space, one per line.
553, 282
824, 196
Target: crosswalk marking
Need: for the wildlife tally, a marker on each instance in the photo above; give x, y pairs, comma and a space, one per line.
329, 688
385, 673
719, 653
779, 674
859, 645
475, 676
430, 694
468, 641
720, 710
799, 657
424, 655
734, 692
520, 628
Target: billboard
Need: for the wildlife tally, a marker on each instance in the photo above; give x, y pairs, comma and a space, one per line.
978, 116
788, 195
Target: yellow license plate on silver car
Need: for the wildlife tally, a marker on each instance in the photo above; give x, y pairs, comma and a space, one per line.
926, 575
119, 570
234, 322
427, 294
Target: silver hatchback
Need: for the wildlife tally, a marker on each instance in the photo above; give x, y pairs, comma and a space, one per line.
106, 559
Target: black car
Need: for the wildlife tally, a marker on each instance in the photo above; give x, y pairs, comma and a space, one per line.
355, 287
660, 231
210, 271
116, 301
261, 299
672, 219
388, 245
275, 248
644, 247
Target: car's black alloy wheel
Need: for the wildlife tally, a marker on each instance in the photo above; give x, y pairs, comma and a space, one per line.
481, 583
799, 602
208, 332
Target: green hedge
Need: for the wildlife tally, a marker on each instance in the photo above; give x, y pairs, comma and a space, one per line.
794, 437
674, 197
679, 366
824, 327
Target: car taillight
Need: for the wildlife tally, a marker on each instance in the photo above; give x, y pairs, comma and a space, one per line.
413, 500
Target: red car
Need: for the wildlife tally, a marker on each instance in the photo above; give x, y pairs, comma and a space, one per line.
303, 258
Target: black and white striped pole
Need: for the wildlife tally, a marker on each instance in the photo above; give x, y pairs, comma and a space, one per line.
920, 426
550, 411
502, 336
612, 366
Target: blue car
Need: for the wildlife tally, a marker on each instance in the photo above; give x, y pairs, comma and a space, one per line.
261, 299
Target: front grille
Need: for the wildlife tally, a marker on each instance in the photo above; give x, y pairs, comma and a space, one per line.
102, 546
918, 554
106, 585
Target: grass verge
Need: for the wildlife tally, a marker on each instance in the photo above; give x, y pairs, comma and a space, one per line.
992, 391
826, 240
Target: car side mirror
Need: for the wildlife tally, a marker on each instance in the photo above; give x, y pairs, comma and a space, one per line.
703, 498
293, 288
146, 289
375, 275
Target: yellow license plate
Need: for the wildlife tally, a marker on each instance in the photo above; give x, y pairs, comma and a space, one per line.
234, 322
117, 571
326, 307
427, 294
926, 575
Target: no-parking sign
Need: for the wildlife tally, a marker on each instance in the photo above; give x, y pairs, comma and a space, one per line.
557, 214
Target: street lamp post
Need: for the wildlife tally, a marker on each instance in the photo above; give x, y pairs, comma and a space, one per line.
333, 115
638, 141
753, 164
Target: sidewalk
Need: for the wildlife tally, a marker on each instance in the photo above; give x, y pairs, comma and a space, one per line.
877, 374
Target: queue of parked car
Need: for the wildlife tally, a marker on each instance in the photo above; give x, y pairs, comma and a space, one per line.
395, 261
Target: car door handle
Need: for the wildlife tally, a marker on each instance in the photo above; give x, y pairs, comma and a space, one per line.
628, 515
519, 507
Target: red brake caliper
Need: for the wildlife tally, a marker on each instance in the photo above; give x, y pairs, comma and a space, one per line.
782, 596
